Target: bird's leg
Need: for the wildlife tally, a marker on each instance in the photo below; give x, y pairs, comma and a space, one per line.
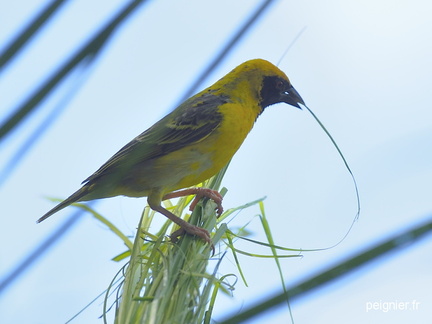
199, 193
184, 226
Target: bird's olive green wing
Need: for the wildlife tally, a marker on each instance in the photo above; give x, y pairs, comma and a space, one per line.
190, 123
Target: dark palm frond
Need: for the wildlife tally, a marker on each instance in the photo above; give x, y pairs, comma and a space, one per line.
88, 51
17, 44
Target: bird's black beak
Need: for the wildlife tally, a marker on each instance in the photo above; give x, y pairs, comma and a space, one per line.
292, 97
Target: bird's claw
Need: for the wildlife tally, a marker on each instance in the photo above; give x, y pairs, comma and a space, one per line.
210, 194
193, 230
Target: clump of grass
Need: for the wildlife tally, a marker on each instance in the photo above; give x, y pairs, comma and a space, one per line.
166, 282
163, 280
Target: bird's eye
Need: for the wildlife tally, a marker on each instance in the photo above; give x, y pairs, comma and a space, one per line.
279, 85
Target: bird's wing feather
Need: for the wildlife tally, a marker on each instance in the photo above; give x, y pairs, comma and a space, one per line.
190, 123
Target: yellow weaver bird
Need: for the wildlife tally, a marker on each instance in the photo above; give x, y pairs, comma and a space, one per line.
190, 144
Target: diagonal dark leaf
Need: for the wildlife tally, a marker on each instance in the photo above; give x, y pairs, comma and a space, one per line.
88, 52
28, 32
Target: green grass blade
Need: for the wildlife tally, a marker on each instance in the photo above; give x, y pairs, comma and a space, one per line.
348, 169
266, 256
273, 246
234, 252
231, 211
269, 236
103, 220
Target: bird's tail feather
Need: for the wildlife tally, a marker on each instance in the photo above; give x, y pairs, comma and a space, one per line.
76, 196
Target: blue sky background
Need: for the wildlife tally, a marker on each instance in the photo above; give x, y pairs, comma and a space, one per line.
364, 67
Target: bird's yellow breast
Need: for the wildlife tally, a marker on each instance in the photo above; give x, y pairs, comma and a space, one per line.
200, 161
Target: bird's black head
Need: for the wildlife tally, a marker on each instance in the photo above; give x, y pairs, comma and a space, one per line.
276, 89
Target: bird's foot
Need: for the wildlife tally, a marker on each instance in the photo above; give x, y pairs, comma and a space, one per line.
199, 193
210, 194
193, 230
